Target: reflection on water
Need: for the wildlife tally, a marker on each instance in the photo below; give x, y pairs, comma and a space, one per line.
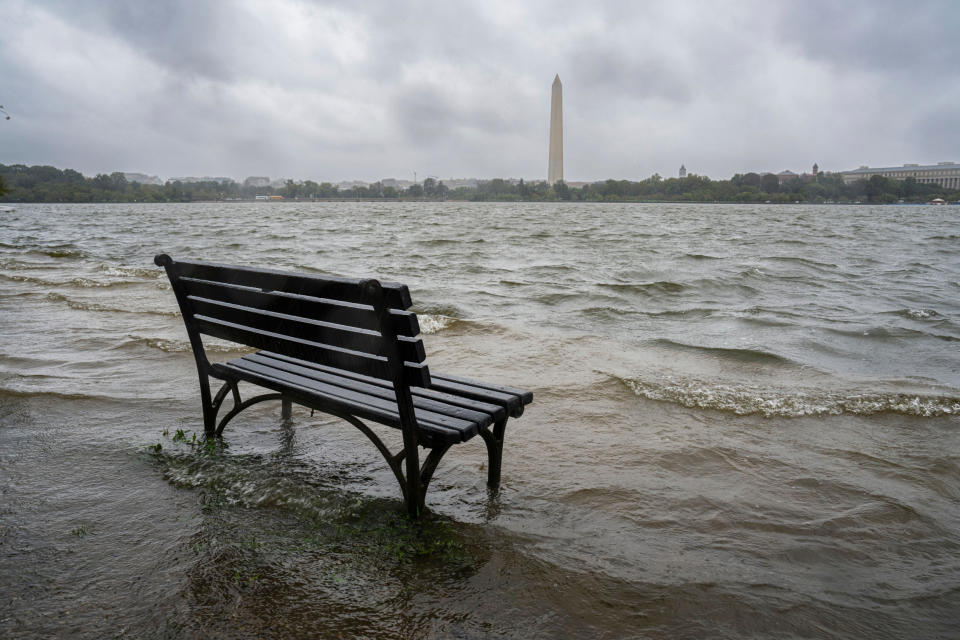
746, 426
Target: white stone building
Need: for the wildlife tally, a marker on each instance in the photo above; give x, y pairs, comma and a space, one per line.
946, 174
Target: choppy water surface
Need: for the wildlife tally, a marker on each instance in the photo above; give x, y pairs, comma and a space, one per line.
745, 425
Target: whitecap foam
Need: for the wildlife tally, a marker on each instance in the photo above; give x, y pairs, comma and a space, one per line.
434, 323
921, 314
746, 400
210, 345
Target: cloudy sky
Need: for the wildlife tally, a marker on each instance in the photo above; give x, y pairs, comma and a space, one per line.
332, 90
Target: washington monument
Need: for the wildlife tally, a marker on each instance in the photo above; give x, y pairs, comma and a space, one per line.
555, 163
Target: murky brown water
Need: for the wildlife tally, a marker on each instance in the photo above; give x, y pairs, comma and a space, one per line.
712, 451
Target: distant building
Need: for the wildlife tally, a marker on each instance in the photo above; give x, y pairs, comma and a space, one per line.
455, 183
945, 174
190, 179
257, 181
786, 176
351, 184
142, 178
683, 171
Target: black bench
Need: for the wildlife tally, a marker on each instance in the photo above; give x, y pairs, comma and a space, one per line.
342, 346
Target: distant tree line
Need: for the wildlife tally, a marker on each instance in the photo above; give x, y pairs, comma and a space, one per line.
20, 183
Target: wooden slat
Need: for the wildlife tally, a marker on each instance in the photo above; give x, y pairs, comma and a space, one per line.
336, 357
335, 311
512, 402
348, 289
314, 330
450, 428
375, 366
318, 331
526, 397
280, 361
434, 403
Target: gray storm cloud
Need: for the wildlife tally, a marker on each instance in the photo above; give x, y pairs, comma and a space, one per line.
337, 90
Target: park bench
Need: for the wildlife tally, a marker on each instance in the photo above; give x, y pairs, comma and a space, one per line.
346, 347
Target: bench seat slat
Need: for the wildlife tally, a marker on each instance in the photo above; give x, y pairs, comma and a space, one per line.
325, 388
310, 398
397, 295
498, 411
525, 396
513, 400
479, 413
447, 427
334, 311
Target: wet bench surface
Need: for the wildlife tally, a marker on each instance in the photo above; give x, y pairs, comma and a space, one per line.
347, 347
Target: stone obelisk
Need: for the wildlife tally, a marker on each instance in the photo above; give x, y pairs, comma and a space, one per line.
555, 163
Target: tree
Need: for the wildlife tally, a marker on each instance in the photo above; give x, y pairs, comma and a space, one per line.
309, 189
3, 188
750, 180
876, 188
908, 188
290, 189
769, 183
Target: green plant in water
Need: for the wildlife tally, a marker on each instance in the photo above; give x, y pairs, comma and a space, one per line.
244, 578
80, 532
181, 436
210, 446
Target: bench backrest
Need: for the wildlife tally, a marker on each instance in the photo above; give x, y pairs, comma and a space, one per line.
359, 326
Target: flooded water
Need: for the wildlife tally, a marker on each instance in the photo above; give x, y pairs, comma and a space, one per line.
746, 424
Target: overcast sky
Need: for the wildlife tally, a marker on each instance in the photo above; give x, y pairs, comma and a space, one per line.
368, 90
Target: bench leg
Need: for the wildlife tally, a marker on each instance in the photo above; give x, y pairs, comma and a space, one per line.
429, 466
286, 409
494, 441
210, 406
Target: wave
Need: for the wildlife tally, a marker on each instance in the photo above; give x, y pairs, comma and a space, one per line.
17, 265
439, 242
646, 288
916, 314
92, 306
753, 356
435, 323
82, 283
53, 251
778, 403
890, 333
54, 395
806, 262
168, 345
700, 256
147, 273
62, 252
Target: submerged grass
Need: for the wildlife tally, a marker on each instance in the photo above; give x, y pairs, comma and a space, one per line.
366, 533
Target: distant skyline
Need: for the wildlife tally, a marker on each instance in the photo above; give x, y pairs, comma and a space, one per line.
341, 91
